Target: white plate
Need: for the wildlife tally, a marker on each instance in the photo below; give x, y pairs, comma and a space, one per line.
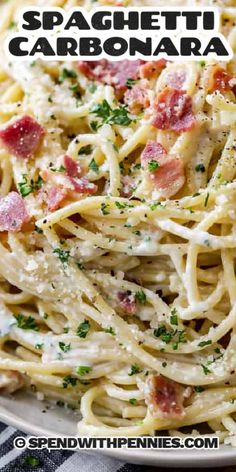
29, 415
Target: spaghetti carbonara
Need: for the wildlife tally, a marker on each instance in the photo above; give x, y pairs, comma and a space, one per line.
118, 237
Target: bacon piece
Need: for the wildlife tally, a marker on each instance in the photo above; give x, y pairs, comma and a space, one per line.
151, 69
136, 98
165, 397
127, 302
112, 73
55, 196
73, 169
10, 381
176, 79
22, 138
169, 176
219, 80
173, 111
13, 212
82, 185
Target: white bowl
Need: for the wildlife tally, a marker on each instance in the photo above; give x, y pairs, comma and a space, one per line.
27, 414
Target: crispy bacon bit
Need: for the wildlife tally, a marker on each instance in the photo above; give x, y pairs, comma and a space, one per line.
168, 177
13, 212
176, 79
22, 138
219, 80
137, 99
127, 302
173, 111
10, 381
112, 73
82, 185
55, 196
151, 69
73, 169
165, 397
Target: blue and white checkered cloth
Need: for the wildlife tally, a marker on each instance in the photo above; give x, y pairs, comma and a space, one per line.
15, 460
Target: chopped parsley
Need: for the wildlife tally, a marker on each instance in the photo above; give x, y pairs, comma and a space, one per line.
119, 205
140, 296
176, 336
83, 329
205, 343
26, 322
62, 255
130, 82
135, 369
110, 330
67, 74
133, 401
26, 187
93, 166
117, 116
153, 165
200, 168
85, 150
64, 347
154, 206
59, 169
217, 350
105, 208
122, 206
68, 380
83, 370
205, 369
174, 317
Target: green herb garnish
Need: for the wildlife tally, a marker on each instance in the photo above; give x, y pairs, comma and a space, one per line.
83, 370
135, 369
140, 296
205, 343
62, 255
83, 329
153, 166
26, 322
67, 74
64, 347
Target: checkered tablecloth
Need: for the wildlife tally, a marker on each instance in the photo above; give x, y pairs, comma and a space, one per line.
14, 460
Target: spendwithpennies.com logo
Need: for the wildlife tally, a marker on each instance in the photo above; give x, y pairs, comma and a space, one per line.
146, 442
148, 33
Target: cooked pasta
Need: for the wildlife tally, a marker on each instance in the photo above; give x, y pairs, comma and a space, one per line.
118, 237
